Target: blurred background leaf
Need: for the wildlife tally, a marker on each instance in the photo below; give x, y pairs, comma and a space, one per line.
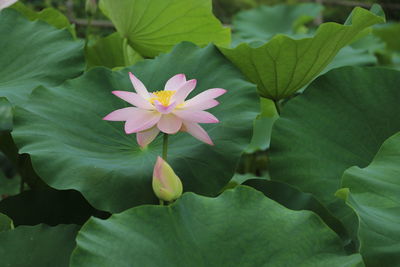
262, 23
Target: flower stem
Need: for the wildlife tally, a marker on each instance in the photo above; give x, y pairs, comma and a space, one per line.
164, 155
277, 106
88, 27
165, 147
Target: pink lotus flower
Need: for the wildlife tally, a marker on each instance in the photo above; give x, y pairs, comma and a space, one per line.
167, 111
6, 3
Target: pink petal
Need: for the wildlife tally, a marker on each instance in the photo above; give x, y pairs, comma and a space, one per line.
202, 105
157, 171
139, 87
175, 82
184, 91
197, 131
134, 99
122, 114
164, 109
143, 120
146, 137
6, 3
204, 97
169, 123
198, 116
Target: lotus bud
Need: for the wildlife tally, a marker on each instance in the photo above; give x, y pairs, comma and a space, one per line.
166, 184
91, 7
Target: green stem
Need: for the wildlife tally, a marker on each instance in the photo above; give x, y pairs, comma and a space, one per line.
164, 155
165, 147
277, 106
89, 24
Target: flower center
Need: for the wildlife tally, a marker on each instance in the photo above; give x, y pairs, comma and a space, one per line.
164, 97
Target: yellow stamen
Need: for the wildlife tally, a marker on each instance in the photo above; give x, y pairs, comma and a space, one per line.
164, 97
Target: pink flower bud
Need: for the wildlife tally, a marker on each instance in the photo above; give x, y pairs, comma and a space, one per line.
166, 184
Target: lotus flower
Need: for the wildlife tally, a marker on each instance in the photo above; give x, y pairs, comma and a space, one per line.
167, 111
166, 184
6, 3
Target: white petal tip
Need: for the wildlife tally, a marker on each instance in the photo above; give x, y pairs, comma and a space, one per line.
221, 91
107, 118
212, 121
209, 142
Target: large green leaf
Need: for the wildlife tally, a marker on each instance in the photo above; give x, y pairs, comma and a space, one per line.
374, 193
34, 53
156, 26
262, 23
239, 228
38, 245
294, 199
73, 148
111, 52
284, 65
341, 120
